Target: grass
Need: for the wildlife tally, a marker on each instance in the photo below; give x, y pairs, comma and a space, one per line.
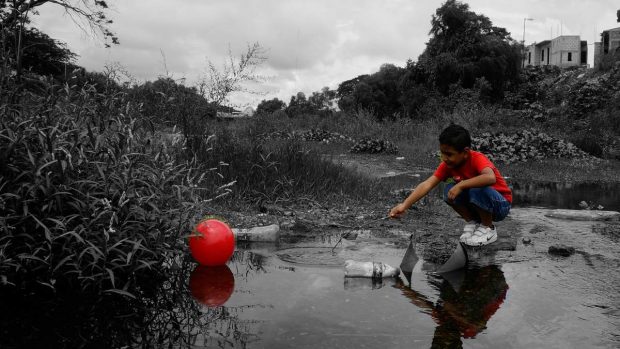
97, 194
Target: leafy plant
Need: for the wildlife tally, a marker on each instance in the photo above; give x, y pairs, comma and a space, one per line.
90, 198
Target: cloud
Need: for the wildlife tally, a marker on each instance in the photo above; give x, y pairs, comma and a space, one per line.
310, 44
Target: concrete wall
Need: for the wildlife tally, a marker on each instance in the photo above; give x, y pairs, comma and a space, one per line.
614, 39
540, 54
566, 51
563, 51
610, 45
598, 50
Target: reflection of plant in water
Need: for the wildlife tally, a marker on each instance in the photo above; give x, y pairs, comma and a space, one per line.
163, 314
253, 262
463, 308
177, 319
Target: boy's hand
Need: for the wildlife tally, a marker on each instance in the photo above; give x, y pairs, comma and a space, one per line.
454, 192
398, 211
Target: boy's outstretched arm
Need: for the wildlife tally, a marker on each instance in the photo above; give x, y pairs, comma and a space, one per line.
419, 192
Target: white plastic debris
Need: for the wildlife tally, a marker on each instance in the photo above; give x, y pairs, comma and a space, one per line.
269, 233
375, 270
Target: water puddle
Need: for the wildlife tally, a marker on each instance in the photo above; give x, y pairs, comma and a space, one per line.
296, 296
293, 294
566, 195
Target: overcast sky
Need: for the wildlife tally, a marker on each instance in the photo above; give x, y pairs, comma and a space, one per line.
310, 43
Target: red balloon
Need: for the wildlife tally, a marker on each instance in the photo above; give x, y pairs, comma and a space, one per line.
212, 286
212, 242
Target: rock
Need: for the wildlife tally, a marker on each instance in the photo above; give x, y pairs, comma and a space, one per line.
561, 250
526, 240
583, 204
269, 233
584, 215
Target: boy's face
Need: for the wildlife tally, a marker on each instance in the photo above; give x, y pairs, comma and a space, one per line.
452, 157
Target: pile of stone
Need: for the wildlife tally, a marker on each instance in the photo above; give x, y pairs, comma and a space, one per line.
312, 135
374, 146
524, 145
318, 135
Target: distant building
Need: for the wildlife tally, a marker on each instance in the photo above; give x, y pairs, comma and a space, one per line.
235, 114
563, 51
249, 111
610, 42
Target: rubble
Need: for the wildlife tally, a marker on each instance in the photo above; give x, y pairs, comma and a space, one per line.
374, 146
524, 145
311, 135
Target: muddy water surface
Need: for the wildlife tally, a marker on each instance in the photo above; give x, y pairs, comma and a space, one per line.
295, 295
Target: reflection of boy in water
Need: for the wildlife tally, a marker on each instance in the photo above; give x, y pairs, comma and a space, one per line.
463, 312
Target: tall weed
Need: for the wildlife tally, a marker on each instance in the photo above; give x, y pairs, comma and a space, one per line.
90, 198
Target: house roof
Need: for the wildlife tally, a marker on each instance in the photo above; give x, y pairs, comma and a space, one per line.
612, 30
545, 42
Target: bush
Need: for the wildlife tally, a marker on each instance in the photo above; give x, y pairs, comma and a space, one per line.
90, 200
282, 170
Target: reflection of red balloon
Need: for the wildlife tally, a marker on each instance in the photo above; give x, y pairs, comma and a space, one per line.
212, 242
212, 286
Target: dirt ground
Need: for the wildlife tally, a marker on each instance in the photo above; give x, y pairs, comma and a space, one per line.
435, 225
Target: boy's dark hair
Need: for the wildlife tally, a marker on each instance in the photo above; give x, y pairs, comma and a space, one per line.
455, 136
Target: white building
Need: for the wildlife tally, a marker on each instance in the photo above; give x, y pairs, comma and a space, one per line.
563, 51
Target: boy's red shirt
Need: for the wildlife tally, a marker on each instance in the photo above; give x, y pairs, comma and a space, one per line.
472, 168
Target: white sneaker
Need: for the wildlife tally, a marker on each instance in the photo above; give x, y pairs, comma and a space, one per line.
468, 231
482, 236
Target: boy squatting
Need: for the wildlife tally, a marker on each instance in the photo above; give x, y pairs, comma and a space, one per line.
479, 193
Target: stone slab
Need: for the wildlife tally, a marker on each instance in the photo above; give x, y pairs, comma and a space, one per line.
584, 215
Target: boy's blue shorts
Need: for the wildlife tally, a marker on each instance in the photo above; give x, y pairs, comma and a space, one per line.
486, 198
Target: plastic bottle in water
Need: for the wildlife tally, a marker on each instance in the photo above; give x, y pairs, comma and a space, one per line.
269, 233
375, 270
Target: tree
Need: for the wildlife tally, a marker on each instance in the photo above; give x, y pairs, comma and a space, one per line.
345, 90
323, 102
299, 105
218, 83
465, 46
15, 15
91, 13
270, 106
378, 92
44, 55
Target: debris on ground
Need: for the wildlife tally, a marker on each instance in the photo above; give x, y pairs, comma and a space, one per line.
374, 146
311, 135
525, 145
